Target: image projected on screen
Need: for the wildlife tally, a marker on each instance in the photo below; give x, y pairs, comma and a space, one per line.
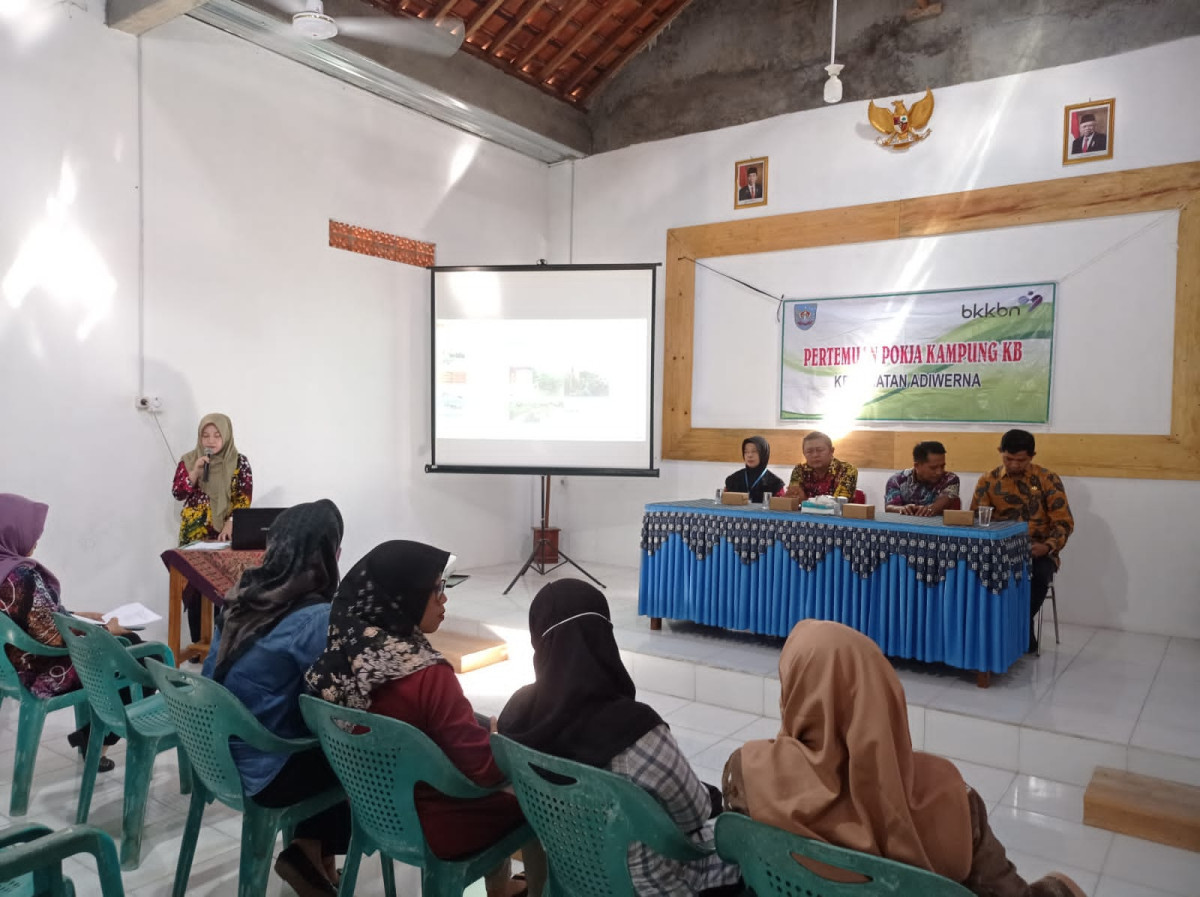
542, 369
542, 380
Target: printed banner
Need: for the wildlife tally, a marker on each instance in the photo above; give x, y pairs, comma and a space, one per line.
951, 355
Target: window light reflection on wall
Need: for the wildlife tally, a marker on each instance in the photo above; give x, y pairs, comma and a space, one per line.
58, 260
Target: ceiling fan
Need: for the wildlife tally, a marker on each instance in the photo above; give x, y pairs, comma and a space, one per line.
435, 37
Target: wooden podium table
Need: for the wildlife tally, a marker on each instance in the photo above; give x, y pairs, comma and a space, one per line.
212, 573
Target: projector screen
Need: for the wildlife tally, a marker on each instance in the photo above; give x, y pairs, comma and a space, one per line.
544, 369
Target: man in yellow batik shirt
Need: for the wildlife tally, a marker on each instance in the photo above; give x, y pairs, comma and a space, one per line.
1020, 490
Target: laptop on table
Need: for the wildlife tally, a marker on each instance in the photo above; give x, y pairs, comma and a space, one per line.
250, 527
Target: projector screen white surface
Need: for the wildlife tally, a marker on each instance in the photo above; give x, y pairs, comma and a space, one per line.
545, 369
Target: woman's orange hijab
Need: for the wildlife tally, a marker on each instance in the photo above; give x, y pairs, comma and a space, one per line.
842, 768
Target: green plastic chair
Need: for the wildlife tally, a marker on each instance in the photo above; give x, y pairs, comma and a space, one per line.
767, 856
206, 716
105, 666
31, 860
379, 761
587, 818
33, 710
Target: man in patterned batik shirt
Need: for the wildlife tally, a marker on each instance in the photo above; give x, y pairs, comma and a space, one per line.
925, 489
1020, 490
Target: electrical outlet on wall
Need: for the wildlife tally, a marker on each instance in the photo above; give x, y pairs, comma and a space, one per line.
152, 404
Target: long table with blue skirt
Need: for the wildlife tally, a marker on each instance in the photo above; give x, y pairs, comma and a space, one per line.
920, 589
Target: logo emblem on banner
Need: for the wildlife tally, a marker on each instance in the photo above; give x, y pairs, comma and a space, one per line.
806, 315
1032, 299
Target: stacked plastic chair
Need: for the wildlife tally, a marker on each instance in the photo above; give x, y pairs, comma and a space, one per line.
33, 710
31, 861
768, 857
586, 819
106, 666
379, 761
207, 715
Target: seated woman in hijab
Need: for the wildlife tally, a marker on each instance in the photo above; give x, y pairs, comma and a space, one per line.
583, 707
273, 627
754, 478
29, 596
379, 659
842, 770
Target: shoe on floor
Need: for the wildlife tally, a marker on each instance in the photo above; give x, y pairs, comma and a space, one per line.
294, 867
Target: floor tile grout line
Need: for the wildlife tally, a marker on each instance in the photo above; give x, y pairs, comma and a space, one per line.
1157, 672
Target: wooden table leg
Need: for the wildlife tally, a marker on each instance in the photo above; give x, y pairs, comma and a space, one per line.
655, 624
982, 679
175, 611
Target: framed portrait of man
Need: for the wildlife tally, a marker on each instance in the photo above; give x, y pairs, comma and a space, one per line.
750, 183
1088, 131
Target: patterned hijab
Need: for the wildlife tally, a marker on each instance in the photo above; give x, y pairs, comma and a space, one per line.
221, 468
842, 768
583, 705
374, 636
21, 524
299, 568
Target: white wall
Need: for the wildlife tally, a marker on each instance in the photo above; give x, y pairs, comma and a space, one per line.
319, 355
1128, 565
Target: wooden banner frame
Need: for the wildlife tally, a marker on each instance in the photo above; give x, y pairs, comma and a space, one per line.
1151, 456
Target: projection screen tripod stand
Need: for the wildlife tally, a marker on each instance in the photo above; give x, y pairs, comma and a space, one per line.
537, 557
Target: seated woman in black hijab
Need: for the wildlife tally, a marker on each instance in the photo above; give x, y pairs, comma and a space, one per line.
754, 478
274, 625
582, 706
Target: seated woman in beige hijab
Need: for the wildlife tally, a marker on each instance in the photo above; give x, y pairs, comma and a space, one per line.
842, 770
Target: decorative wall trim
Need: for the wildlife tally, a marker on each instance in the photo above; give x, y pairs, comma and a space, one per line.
380, 245
1175, 456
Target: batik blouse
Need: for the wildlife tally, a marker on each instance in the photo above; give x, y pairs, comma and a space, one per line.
195, 521
30, 603
840, 480
1037, 497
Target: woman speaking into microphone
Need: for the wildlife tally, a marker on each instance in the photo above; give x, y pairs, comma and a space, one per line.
212, 480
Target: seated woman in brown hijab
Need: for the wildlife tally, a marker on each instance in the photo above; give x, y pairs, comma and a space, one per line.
842, 770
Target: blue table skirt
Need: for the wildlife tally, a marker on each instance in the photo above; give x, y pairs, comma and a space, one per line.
957, 621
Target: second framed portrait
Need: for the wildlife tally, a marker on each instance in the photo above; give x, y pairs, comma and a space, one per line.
750, 183
1088, 131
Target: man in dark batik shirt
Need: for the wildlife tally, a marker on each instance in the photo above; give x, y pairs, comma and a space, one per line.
925, 489
1020, 490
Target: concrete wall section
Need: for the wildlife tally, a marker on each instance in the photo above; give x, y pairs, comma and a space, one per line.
724, 64
319, 355
1128, 564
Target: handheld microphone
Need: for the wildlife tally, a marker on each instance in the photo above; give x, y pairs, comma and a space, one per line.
208, 453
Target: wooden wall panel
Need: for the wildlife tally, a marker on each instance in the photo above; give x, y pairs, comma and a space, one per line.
1149, 456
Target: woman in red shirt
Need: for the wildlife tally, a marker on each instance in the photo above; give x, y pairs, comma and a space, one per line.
378, 659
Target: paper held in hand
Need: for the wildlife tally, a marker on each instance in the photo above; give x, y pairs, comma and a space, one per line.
134, 614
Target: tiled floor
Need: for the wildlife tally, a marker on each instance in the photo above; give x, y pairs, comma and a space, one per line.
1037, 817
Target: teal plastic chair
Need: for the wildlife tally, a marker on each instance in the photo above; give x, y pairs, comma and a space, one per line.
105, 666
379, 760
33, 710
586, 819
767, 856
31, 861
206, 716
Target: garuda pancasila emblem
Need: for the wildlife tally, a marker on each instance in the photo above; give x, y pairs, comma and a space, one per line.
901, 128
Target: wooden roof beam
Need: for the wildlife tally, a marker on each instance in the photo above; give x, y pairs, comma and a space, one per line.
619, 33
514, 25
556, 25
648, 34
481, 17
576, 42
